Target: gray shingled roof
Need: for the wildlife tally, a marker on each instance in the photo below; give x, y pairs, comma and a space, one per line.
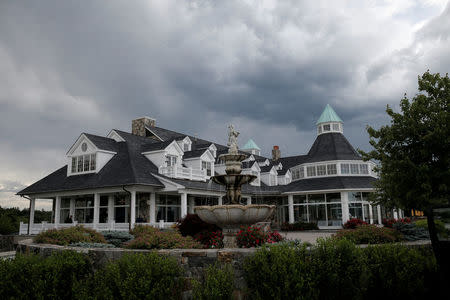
194, 153
329, 183
102, 143
156, 146
332, 146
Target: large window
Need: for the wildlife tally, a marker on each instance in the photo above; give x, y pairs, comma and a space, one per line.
311, 171
65, 211
206, 165
358, 206
321, 170
345, 169
84, 209
331, 169
83, 163
363, 169
168, 208
103, 213
354, 168
121, 208
323, 209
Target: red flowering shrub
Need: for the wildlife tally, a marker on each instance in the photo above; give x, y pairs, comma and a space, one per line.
210, 239
353, 223
390, 222
191, 225
254, 236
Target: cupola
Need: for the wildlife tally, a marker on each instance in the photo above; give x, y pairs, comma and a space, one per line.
329, 122
251, 147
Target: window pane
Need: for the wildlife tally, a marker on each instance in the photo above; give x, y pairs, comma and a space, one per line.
365, 196
331, 169
317, 214
65, 203
326, 127
334, 212
345, 168
80, 163
299, 199
311, 171
315, 198
366, 213
354, 168
121, 200
321, 170
300, 213
336, 127
375, 214
363, 169
93, 162
80, 202
103, 217
333, 197
64, 216
104, 200
355, 210
301, 172
87, 162
354, 196
74, 164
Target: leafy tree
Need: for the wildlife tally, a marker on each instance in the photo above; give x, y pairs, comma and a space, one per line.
413, 152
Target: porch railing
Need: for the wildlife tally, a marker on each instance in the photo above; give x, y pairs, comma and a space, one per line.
183, 172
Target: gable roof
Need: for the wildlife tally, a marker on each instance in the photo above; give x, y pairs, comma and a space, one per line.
332, 146
250, 145
329, 115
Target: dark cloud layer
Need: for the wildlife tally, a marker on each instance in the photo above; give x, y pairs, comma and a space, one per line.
269, 67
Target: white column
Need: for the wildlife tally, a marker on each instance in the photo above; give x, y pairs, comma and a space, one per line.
344, 207
249, 200
57, 210
133, 208
110, 209
152, 207
183, 205
291, 208
220, 200
379, 215
96, 209
370, 214
32, 207
191, 201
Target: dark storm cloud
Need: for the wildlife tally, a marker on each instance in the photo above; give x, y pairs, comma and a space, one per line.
270, 67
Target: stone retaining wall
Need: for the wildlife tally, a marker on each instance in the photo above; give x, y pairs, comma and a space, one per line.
8, 242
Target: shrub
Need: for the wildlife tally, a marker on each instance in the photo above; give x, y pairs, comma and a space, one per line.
91, 245
298, 226
353, 223
369, 234
440, 226
117, 238
399, 272
210, 239
134, 276
411, 232
140, 230
390, 222
254, 236
163, 240
191, 225
217, 283
69, 235
274, 237
35, 277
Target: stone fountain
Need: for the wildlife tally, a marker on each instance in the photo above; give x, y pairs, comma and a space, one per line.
233, 215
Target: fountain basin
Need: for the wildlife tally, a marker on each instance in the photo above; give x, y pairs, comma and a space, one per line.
233, 216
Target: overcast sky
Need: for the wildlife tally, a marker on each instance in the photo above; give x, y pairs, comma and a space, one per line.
268, 67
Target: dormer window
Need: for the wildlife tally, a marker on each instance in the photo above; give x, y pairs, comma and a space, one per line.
83, 163
171, 160
206, 165
186, 147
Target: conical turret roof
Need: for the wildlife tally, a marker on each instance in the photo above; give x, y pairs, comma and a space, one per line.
329, 115
250, 145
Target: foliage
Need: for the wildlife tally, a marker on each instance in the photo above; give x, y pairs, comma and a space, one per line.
217, 283
35, 277
440, 226
298, 226
155, 239
10, 218
337, 269
191, 225
390, 222
117, 238
92, 245
134, 276
412, 232
69, 235
140, 230
254, 236
353, 223
413, 151
210, 239
369, 234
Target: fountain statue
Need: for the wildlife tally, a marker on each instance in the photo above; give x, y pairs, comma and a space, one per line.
231, 216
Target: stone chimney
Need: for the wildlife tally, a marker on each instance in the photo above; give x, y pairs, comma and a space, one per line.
138, 125
276, 153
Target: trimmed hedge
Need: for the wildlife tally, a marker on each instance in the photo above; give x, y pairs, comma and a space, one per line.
69, 235
338, 269
369, 234
134, 276
34, 277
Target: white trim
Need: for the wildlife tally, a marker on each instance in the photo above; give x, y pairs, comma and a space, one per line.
114, 132
78, 142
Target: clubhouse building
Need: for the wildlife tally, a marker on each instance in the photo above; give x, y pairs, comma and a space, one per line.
156, 176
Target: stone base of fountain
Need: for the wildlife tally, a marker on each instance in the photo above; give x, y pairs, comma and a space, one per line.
232, 217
